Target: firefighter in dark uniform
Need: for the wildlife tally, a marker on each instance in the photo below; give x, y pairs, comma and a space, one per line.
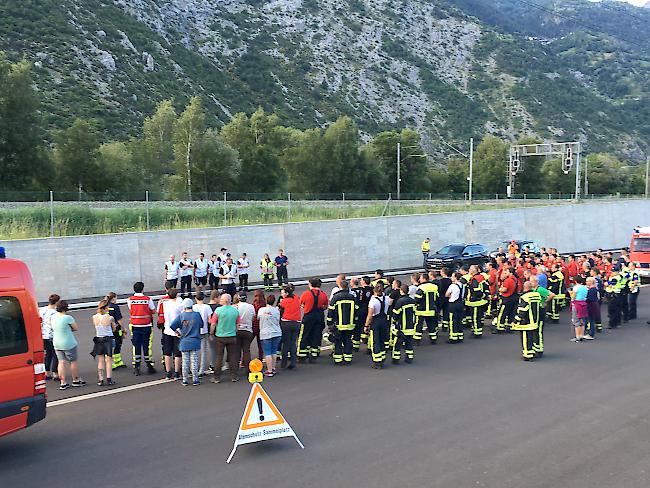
403, 326
443, 302
556, 286
426, 298
476, 300
613, 292
466, 276
120, 332
379, 278
341, 319
368, 291
527, 320
455, 296
362, 294
377, 326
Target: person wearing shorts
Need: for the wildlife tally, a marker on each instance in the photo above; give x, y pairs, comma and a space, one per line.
270, 333
65, 344
103, 350
171, 307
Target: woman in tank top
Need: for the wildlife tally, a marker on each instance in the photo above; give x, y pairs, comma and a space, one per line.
103, 350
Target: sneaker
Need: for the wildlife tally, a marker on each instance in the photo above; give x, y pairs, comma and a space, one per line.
269, 374
110, 382
215, 380
575, 339
588, 338
177, 376
64, 386
184, 383
169, 376
196, 383
78, 382
100, 383
234, 380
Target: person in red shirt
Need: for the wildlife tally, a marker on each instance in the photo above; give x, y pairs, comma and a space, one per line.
290, 325
508, 307
314, 302
492, 282
572, 269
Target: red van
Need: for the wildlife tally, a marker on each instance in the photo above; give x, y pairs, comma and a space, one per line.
22, 368
640, 250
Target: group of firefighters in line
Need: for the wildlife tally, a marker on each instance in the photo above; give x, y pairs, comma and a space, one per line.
519, 291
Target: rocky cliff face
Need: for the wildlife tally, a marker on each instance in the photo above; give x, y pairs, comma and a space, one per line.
388, 63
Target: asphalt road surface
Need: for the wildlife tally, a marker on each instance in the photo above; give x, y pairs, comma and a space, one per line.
462, 415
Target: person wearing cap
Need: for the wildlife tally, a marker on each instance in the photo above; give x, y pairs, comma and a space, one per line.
426, 247
187, 327
244, 328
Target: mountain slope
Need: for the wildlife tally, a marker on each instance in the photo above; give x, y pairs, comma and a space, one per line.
450, 69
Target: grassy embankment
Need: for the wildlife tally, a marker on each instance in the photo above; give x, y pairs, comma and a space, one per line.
31, 222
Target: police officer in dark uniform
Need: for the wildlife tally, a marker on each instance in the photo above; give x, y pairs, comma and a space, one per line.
613, 292
118, 336
342, 319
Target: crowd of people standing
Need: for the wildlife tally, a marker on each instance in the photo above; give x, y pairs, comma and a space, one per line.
520, 291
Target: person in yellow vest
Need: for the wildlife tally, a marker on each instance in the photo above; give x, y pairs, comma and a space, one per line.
379, 278
426, 247
267, 266
527, 320
556, 286
426, 298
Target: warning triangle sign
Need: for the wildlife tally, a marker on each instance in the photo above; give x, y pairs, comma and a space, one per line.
260, 411
261, 421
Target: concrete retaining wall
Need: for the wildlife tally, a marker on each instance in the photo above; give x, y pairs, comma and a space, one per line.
89, 266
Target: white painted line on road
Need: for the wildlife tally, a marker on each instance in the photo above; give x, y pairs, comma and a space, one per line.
124, 389
99, 394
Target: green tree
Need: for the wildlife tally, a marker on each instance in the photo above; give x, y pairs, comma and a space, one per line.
259, 141
116, 158
187, 132
457, 173
216, 164
22, 157
76, 150
528, 180
490, 166
413, 163
554, 179
154, 151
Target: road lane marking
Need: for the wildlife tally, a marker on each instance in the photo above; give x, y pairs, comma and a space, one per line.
123, 389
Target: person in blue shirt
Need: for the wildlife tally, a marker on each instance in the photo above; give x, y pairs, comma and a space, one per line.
281, 263
188, 327
542, 278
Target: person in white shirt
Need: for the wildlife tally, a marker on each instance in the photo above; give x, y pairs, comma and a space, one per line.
213, 272
378, 326
46, 314
337, 288
205, 311
227, 275
223, 255
172, 268
413, 287
242, 271
270, 333
201, 272
454, 296
187, 268
244, 328
171, 307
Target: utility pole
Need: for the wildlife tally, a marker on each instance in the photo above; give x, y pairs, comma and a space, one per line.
647, 169
577, 194
586, 190
398, 170
471, 166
